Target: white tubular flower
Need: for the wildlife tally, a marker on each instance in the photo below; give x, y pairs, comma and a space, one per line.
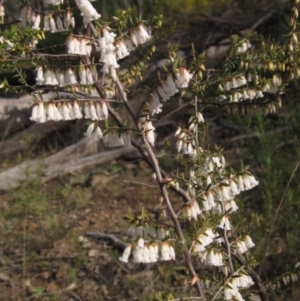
59, 22
126, 253
113, 139
82, 75
224, 193
164, 96
57, 114
212, 257
200, 118
230, 292
224, 223
206, 238
87, 10
50, 112
146, 255
104, 109
48, 77
76, 46
149, 132
40, 76
179, 145
121, 49
65, 112
193, 212
248, 242
82, 46
86, 109
93, 112
99, 133
32, 17
72, 23
99, 110
187, 212
154, 104
71, 44
231, 206
52, 23
67, 19
169, 86
89, 76
206, 205
71, 110
153, 252
210, 199
244, 46
77, 110
165, 251
90, 130
34, 113
138, 255
139, 35
241, 246
183, 77
60, 77
249, 181
54, 81
41, 113
172, 252
46, 23
37, 22
234, 188
140, 243
71, 77
197, 208
243, 281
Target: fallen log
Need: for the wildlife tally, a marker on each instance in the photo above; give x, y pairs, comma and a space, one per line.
71, 159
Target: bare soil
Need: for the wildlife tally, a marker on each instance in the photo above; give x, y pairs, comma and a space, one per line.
44, 253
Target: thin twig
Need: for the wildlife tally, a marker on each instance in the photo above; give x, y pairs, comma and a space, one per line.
140, 183
110, 237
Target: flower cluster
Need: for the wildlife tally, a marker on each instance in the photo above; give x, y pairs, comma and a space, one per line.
244, 46
183, 77
107, 52
88, 11
60, 21
64, 77
203, 239
192, 210
139, 35
79, 45
146, 125
115, 139
124, 45
9, 44
148, 252
231, 290
212, 257
243, 244
185, 143
69, 110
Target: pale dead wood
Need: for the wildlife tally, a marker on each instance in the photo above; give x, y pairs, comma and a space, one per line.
73, 166
71, 159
